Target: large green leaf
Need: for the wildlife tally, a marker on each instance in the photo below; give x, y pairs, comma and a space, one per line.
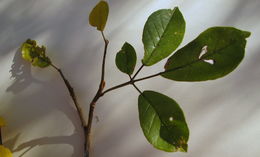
33, 53
163, 33
98, 15
163, 122
213, 54
126, 59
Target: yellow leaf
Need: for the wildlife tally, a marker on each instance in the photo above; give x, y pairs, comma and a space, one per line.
5, 152
2, 122
35, 54
98, 15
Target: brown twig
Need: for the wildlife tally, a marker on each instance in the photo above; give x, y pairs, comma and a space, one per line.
95, 99
137, 88
72, 94
137, 72
131, 82
74, 98
140, 79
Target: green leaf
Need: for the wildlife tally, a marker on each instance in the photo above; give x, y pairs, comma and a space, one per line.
163, 122
33, 53
163, 33
126, 59
213, 54
41, 62
26, 51
98, 15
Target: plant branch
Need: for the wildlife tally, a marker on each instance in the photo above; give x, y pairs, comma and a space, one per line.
73, 96
137, 89
148, 77
157, 74
137, 80
131, 82
104, 58
95, 99
138, 71
134, 83
116, 87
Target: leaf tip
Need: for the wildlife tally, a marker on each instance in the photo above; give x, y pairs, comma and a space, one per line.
182, 145
126, 43
176, 8
246, 34
183, 148
125, 46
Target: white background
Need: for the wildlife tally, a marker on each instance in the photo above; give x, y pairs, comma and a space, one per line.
223, 115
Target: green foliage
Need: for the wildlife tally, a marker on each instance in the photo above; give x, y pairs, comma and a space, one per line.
163, 33
126, 59
213, 54
163, 122
35, 54
98, 15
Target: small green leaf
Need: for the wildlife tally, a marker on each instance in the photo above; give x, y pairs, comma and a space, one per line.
163, 122
163, 33
98, 15
33, 53
126, 59
213, 54
41, 62
26, 52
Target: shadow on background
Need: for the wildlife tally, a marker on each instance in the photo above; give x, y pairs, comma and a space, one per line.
21, 73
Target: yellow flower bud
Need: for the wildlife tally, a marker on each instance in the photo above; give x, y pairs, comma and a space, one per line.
5, 152
2, 122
